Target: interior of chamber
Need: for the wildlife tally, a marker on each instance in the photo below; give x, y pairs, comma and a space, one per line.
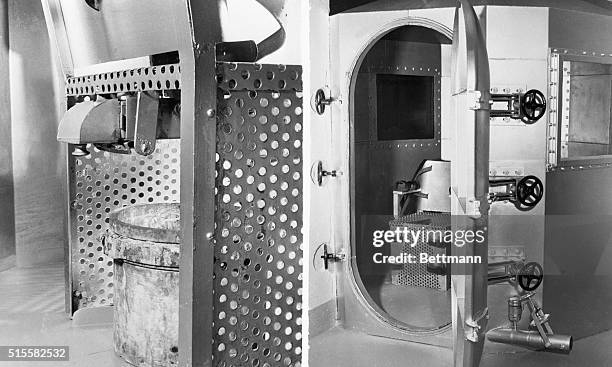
397, 100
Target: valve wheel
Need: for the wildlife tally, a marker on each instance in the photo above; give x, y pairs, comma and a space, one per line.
529, 191
533, 106
531, 276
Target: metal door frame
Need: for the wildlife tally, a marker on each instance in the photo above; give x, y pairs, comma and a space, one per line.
469, 292
351, 292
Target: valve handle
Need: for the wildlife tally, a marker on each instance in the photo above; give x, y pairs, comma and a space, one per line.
533, 106
529, 191
320, 101
530, 276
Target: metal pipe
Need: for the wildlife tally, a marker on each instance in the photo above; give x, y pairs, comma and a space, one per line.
277, 39
531, 339
501, 263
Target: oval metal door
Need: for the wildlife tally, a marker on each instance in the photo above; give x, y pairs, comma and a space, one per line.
470, 182
470, 90
353, 35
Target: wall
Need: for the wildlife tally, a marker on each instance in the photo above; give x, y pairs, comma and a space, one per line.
516, 62
7, 220
249, 20
38, 159
321, 299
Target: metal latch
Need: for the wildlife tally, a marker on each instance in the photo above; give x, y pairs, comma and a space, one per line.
147, 109
328, 256
320, 101
474, 327
321, 173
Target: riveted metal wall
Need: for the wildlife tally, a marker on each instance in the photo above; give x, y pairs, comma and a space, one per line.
258, 249
100, 183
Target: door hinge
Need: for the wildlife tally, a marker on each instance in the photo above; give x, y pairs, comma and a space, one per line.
476, 326
472, 209
478, 101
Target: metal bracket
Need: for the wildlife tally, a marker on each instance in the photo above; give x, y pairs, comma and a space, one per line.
476, 326
477, 101
145, 135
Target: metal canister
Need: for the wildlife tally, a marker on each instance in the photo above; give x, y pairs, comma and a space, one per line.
144, 242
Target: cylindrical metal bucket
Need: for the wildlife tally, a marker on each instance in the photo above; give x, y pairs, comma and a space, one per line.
144, 241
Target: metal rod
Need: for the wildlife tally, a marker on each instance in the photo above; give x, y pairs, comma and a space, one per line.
501, 263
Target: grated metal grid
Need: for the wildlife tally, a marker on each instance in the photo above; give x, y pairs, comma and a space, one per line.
258, 251
101, 183
417, 274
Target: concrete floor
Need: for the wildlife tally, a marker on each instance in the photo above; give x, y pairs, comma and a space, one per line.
415, 306
343, 348
32, 313
348, 348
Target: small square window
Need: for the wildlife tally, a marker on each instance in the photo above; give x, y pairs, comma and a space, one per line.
405, 107
586, 110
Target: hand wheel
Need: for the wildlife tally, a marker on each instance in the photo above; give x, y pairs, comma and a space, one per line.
530, 276
533, 106
319, 102
529, 192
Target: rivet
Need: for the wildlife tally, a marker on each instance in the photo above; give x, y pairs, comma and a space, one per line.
210, 113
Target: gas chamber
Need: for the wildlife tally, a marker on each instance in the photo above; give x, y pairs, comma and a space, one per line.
447, 118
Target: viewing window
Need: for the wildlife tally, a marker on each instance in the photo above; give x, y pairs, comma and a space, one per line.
586, 106
405, 107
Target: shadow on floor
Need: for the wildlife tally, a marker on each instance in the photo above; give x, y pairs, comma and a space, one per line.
32, 313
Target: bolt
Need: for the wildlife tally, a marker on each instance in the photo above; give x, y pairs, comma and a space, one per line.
210, 113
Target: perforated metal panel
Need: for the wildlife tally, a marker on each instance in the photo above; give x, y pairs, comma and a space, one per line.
162, 77
258, 250
417, 274
100, 183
